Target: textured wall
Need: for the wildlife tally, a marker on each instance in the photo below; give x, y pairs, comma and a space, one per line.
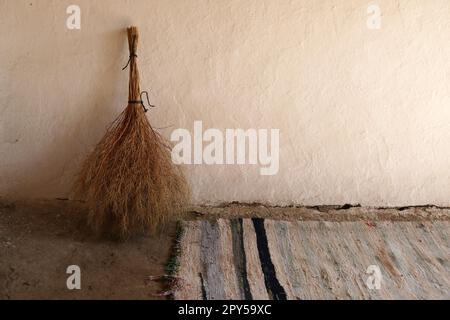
364, 114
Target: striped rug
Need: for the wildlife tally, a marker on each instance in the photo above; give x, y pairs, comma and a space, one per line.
267, 259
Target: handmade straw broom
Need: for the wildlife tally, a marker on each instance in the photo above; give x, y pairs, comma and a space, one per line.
129, 182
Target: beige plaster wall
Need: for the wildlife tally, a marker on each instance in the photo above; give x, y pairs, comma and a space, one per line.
364, 115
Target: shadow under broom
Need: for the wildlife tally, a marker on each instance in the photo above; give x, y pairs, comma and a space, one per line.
129, 182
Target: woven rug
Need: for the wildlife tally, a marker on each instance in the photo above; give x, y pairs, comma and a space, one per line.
267, 259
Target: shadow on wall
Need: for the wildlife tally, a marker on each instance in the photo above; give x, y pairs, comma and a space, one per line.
52, 156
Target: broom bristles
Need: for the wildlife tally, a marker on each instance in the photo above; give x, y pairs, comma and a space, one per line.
129, 182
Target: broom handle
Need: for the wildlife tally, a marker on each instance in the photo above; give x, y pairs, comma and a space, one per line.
134, 91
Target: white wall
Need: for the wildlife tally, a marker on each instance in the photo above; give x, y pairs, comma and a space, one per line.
364, 114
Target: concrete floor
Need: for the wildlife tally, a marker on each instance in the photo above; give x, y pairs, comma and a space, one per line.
40, 239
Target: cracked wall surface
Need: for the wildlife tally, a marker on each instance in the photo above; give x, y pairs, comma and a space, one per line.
363, 114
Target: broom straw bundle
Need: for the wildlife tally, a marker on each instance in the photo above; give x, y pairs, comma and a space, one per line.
129, 182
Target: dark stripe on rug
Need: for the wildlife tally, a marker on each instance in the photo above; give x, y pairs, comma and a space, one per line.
211, 262
240, 259
203, 287
274, 288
